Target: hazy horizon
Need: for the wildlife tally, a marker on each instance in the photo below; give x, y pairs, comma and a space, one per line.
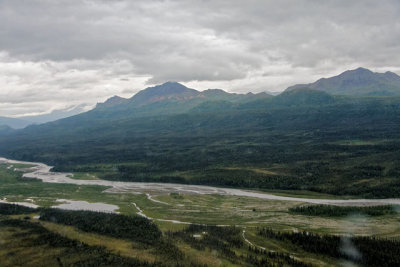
54, 55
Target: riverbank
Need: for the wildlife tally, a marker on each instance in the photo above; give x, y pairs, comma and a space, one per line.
42, 172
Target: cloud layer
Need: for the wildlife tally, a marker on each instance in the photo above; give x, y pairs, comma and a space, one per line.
55, 54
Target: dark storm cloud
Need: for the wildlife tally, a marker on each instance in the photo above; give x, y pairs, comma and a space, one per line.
54, 50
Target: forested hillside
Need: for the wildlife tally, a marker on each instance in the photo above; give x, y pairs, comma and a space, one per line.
300, 139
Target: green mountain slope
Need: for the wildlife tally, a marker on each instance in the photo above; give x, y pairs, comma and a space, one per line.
301, 139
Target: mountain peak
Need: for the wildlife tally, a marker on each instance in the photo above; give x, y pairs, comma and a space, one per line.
5, 129
165, 91
169, 88
361, 70
112, 101
391, 75
215, 92
357, 82
171, 84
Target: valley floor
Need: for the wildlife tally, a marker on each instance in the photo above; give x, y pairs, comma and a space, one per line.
174, 207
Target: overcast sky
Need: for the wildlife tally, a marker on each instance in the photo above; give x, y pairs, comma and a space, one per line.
57, 54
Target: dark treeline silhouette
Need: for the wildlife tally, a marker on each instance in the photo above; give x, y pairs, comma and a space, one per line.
11, 209
169, 251
135, 228
264, 258
93, 255
223, 239
339, 211
371, 251
226, 240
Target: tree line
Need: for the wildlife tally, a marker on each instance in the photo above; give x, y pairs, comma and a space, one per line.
341, 211
368, 251
134, 228
12, 209
88, 255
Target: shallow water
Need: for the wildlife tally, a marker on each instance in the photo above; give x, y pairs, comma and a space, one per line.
67, 204
26, 204
42, 171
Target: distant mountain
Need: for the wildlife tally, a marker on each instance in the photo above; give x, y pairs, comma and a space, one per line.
272, 93
358, 82
217, 94
113, 101
4, 129
55, 115
166, 91
15, 123
182, 135
305, 138
167, 98
22, 122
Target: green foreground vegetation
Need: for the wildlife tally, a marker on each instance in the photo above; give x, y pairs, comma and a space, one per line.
195, 245
25, 243
85, 238
134, 228
364, 250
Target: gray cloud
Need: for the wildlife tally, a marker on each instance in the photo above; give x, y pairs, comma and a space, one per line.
64, 52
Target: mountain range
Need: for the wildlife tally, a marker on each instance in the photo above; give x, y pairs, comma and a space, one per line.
358, 82
173, 98
15, 123
22, 122
169, 98
304, 138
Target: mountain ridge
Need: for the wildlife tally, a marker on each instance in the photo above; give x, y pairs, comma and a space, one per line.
302, 129
168, 90
173, 97
15, 123
22, 122
170, 98
357, 82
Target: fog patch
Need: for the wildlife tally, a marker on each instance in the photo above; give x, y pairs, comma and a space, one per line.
347, 247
